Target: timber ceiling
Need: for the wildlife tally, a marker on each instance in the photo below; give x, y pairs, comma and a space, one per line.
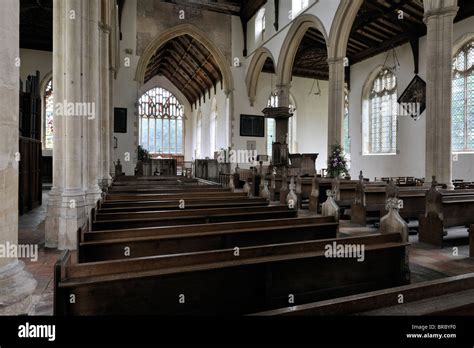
311, 57
188, 65
36, 24
377, 27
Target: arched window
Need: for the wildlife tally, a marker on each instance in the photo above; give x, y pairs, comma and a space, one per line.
213, 129
260, 25
297, 6
48, 115
199, 136
271, 126
347, 139
380, 133
161, 119
463, 99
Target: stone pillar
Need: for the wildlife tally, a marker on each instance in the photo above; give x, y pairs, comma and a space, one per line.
439, 17
93, 192
105, 98
111, 122
281, 124
336, 102
75, 27
16, 285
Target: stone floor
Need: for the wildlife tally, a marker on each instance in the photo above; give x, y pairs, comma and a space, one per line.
426, 262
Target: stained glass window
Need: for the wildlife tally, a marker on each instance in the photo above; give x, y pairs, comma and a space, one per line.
49, 113
347, 139
161, 122
462, 110
383, 110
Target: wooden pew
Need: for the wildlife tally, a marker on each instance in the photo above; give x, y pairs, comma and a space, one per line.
163, 189
112, 245
227, 282
187, 217
445, 209
123, 207
447, 296
170, 196
371, 200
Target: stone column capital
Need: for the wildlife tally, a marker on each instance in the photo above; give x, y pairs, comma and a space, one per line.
336, 61
284, 86
435, 12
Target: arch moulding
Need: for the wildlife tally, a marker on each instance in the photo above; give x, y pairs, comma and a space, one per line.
292, 42
195, 33
341, 27
254, 71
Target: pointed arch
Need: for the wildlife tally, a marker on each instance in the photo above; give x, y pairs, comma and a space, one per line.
341, 27
199, 35
255, 69
292, 41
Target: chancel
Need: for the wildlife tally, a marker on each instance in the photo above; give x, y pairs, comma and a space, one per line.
220, 157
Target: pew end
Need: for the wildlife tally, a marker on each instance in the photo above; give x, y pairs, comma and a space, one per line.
60, 307
431, 229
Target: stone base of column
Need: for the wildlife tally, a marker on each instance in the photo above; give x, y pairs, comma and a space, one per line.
66, 213
92, 196
16, 289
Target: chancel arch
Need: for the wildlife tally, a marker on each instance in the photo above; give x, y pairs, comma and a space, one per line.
200, 37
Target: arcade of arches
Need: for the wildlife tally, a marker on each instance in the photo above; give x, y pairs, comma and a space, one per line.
175, 81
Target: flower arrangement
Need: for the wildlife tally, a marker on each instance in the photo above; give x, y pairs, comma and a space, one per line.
337, 165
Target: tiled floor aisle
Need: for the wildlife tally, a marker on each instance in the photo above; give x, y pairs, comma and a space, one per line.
31, 231
426, 262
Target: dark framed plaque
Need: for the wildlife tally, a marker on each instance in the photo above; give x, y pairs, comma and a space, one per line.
120, 120
252, 126
413, 99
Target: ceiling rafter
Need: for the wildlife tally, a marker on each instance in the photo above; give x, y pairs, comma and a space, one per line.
188, 64
187, 50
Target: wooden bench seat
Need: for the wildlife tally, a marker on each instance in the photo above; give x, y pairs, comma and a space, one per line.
168, 196
371, 201
445, 209
112, 246
220, 283
426, 298
172, 202
168, 189
175, 205
187, 217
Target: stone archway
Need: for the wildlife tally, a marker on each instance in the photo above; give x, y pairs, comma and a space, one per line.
199, 35
341, 27
292, 42
255, 69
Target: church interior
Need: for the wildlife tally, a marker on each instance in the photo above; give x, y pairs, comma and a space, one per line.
234, 157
